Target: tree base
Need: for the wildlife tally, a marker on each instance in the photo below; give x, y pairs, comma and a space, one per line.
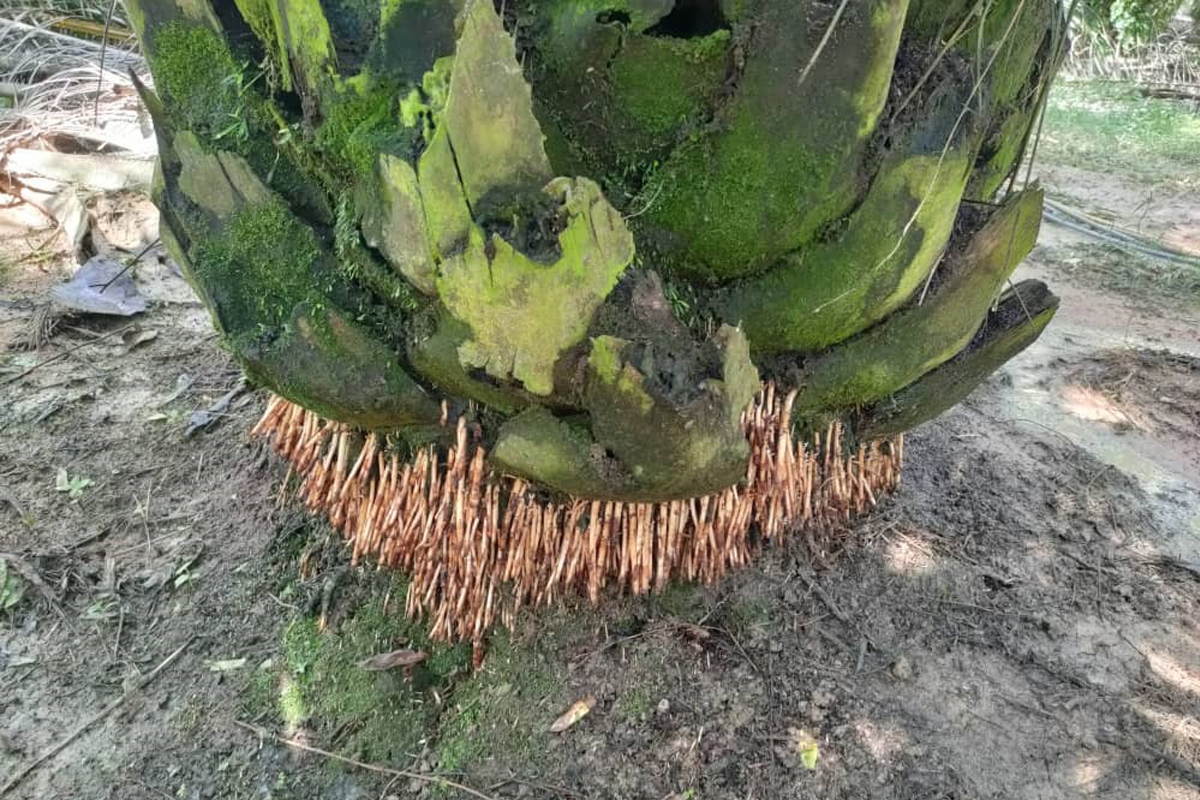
479, 545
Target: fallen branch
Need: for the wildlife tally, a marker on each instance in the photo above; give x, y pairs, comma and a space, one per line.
395, 773
99, 172
99, 715
1171, 92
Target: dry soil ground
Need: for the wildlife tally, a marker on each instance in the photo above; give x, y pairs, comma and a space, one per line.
1021, 621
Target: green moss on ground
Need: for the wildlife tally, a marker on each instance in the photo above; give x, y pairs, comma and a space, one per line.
500, 714
634, 705
465, 718
321, 685
680, 600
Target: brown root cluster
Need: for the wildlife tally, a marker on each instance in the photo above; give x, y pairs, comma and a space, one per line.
478, 545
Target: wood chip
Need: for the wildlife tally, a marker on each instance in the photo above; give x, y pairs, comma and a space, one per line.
394, 660
578, 710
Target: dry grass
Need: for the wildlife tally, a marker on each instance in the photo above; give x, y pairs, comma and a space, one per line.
63, 79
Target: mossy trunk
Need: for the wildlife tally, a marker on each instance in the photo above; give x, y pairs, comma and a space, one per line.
597, 226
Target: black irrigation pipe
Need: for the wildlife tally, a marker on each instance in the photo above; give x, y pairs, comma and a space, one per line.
1059, 214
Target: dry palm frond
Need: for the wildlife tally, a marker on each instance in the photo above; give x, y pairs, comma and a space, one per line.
63, 80
478, 545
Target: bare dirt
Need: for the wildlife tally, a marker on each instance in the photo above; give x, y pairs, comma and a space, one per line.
1021, 621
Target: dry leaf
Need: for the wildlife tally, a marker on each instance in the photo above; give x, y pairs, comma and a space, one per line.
576, 712
393, 660
694, 632
133, 338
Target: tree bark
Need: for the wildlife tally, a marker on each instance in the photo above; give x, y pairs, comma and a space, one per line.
595, 227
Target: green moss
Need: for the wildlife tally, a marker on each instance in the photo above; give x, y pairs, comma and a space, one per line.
832, 290
489, 115
332, 365
608, 367
259, 696
661, 85
673, 445
260, 267
499, 714
1015, 45
361, 122
202, 83
259, 16
393, 222
998, 154
523, 314
305, 37
536, 445
681, 601
749, 613
436, 358
645, 444
783, 160
412, 35
952, 382
912, 342
321, 682
496, 713
207, 92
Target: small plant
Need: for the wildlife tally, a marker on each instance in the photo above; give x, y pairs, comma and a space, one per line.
102, 609
239, 128
11, 588
73, 486
806, 747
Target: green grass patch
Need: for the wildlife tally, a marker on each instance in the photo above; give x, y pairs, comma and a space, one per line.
1110, 126
634, 705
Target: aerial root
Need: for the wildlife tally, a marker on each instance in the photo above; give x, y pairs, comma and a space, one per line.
479, 545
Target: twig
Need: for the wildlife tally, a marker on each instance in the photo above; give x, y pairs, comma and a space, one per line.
753, 664
92, 720
103, 52
825, 598
66, 353
395, 773
833, 23
534, 785
129, 265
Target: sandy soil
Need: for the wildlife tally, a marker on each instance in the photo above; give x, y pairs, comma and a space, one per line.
1021, 621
